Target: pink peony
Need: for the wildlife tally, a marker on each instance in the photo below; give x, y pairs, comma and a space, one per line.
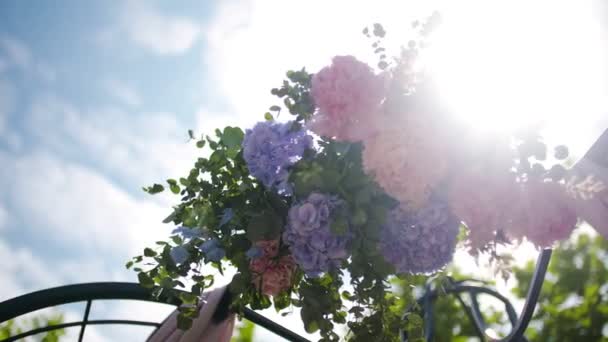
482, 200
543, 214
272, 274
347, 95
407, 159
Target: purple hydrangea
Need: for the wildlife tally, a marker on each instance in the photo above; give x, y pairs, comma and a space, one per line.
421, 243
270, 148
313, 246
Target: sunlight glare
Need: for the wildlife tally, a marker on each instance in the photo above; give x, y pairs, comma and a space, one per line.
500, 67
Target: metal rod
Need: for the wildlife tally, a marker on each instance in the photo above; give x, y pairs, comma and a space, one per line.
74, 324
112, 290
87, 310
532, 298
272, 326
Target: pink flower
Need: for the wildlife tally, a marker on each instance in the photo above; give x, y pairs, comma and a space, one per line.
407, 159
483, 199
543, 215
347, 95
272, 274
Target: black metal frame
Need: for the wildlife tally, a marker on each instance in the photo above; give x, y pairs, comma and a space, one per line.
106, 290
456, 288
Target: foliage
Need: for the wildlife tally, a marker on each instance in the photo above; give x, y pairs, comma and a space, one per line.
244, 332
572, 305
16, 327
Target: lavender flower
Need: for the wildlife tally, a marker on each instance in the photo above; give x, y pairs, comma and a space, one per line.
314, 247
179, 254
270, 148
421, 243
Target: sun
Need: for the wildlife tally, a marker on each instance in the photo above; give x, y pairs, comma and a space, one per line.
504, 65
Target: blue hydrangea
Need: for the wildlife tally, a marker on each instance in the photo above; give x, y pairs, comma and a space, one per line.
313, 246
187, 233
270, 148
216, 254
420, 243
179, 254
212, 250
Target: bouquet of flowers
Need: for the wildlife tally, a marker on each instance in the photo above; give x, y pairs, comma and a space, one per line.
371, 179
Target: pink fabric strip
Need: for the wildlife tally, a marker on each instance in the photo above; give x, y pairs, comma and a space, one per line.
203, 329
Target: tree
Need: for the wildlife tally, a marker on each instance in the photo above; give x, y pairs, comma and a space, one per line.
572, 305
15, 327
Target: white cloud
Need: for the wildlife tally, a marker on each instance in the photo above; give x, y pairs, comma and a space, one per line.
7, 105
123, 92
25, 272
136, 147
15, 51
157, 32
7, 94
251, 44
81, 208
3, 217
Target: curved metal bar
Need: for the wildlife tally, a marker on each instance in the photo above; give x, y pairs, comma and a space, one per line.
532, 298
75, 324
113, 290
75, 293
519, 323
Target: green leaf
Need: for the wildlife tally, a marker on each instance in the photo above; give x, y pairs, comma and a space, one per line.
379, 30
200, 143
281, 301
129, 264
149, 252
268, 116
170, 218
145, 280
339, 225
309, 319
238, 284
154, 189
267, 225
175, 188
275, 108
360, 217
233, 136
184, 322
187, 298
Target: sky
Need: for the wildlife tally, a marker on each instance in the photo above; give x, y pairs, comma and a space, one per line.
96, 99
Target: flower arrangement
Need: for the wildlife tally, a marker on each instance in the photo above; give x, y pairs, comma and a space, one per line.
370, 180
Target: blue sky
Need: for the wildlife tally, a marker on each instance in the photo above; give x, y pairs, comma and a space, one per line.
96, 99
